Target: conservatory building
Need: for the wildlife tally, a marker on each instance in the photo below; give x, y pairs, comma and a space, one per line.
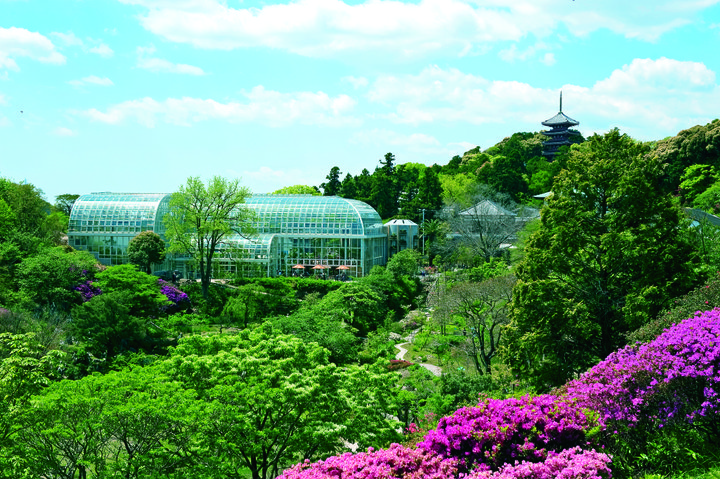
294, 234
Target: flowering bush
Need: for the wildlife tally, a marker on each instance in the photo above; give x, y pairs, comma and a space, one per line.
396, 364
88, 290
395, 462
504, 431
674, 378
571, 463
179, 301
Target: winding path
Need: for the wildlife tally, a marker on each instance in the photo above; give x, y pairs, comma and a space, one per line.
430, 367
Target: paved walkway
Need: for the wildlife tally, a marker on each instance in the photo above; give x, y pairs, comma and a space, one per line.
430, 367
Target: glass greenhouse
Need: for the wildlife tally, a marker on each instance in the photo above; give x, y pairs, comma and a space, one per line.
296, 234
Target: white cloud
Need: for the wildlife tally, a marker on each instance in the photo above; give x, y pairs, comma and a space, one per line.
102, 50
263, 106
63, 131
356, 82
333, 28
657, 97
19, 43
90, 45
159, 65
92, 80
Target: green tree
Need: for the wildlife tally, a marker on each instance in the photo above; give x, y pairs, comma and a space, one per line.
348, 188
146, 249
696, 179
145, 298
64, 203
272, 400
333, 185
105, 325
201, 217
384, 193
297, 190
611, 249
49, 278
404, 263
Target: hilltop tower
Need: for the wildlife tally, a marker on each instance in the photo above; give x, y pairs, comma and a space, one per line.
559, 134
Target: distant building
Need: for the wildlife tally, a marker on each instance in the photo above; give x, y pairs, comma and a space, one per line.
296, 234
559, 134
402, 234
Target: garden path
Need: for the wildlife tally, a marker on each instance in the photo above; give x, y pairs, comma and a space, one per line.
437, 371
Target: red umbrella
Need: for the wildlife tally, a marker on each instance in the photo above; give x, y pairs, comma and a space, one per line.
318, 266
343, 267
299, 266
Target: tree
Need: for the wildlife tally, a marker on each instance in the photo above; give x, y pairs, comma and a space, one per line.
384, 193
404, 263
64, 203
202, 218
611, 249
333, 185
487, 227
49, 278
270, 400
145, 299
483, 307
146, 249
297, 190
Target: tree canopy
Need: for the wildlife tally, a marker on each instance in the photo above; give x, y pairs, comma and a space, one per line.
202, 216
611, 249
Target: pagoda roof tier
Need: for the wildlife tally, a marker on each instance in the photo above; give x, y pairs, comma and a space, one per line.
561, 119
560, 132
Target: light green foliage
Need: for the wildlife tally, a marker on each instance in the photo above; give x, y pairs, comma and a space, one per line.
404, 263
143, 290
24, 371
611, 249
709, 200
201, 216
146, 249
48, 278
699, 145
271, 400
297, 190
131, 424
696, 179
357, 304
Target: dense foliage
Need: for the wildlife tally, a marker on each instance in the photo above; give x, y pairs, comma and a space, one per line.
611, 250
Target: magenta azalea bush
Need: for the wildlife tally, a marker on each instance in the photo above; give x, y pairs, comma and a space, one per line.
675, 378
395, 462
497, 432
573, 463
637, 397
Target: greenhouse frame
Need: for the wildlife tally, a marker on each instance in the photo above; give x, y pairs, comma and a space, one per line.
296, 235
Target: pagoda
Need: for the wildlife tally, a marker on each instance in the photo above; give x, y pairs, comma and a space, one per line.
560, 133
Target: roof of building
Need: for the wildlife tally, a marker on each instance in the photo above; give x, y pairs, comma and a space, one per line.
561, 119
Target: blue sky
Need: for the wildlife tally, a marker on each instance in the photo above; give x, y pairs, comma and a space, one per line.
138, 95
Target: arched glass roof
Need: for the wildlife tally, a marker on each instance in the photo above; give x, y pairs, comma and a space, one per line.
119, 212
314, 215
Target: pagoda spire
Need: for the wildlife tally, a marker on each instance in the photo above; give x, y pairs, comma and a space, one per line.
560, 101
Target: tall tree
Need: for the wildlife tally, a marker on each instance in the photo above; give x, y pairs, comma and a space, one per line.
332, 187
65, 202
384, 193
146, 249
348, 188
202, 217
610, 251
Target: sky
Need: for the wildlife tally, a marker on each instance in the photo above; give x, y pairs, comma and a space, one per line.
139, 95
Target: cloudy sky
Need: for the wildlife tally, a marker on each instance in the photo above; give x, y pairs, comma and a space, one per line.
138, 95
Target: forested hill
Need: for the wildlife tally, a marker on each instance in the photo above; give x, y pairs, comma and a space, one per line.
515, 167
